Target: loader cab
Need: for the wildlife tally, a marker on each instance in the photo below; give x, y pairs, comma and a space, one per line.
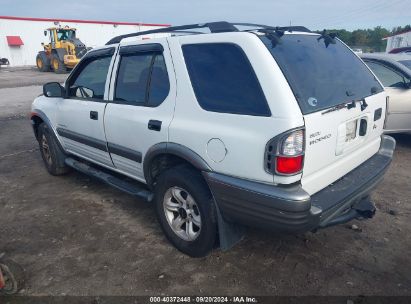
66, 34
51, 33
58, 35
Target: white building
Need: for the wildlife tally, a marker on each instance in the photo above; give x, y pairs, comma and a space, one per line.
398, 40
21, 38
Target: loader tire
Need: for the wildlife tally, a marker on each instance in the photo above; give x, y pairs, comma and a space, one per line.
58, 65
42, 62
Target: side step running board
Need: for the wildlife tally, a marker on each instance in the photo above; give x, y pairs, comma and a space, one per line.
135, 189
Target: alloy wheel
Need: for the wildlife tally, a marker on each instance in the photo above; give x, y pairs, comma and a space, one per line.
46, 150
182, 213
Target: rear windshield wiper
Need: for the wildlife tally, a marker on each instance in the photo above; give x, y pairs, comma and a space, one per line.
273, 35
349, 105
329, 38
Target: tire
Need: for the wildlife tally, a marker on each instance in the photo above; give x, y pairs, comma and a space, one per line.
42, 62
195, 229
58, 65
53, 156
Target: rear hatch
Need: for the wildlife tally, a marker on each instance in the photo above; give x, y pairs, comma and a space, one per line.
342, 102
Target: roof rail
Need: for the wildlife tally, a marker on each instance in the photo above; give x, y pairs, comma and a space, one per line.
214, 27
268, 27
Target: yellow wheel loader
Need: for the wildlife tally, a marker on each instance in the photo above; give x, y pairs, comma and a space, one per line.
62, 53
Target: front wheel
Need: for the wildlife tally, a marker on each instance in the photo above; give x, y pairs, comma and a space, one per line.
186, 211
52, 154
58, 65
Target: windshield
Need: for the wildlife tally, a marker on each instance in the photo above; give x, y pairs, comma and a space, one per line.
65, 34
407, 63
320, 76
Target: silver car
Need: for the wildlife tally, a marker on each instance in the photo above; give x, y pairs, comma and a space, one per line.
394, 71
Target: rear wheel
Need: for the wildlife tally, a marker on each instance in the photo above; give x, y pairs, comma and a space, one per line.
186, 211
52, 154
58, 65
42, 62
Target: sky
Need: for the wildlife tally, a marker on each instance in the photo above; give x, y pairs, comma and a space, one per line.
314, 14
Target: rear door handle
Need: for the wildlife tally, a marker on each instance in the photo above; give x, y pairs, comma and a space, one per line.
154, 125
94, 115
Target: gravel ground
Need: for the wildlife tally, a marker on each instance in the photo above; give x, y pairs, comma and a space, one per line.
76, 236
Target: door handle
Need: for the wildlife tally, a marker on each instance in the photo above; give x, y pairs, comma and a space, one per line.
94, 115
154, 125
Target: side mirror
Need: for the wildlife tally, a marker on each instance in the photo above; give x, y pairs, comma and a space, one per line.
45, 33
53, 89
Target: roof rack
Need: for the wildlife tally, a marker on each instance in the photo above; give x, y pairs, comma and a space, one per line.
268, 27
214, 27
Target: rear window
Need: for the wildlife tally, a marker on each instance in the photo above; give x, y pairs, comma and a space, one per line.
224, 80
320, 76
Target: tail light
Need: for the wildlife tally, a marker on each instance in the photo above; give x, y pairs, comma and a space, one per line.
285, 153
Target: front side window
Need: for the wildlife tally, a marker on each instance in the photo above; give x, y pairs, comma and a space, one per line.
224, 80
142, 79
90, 80
388, 77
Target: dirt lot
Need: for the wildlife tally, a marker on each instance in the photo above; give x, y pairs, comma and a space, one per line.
76, 236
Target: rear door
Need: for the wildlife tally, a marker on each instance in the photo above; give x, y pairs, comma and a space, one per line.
397, 88
340, 140
342, 103
80, 123
141, 104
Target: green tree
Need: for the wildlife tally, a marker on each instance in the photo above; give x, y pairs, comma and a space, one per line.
359, 38
370, 40
400, 29
375, 38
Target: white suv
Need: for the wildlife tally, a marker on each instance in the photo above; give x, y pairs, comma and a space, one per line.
278, 128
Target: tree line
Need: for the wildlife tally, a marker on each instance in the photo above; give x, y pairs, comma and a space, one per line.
370, 40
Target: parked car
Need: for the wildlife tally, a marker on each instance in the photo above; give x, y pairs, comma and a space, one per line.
276, 128
395, 74
4, 61
357, 51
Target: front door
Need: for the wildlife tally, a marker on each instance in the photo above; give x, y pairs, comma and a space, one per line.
80, 122
396, 85
142, 104
399, 109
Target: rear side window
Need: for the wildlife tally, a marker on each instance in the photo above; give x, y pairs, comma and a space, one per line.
142, 79
159, 84
224, 80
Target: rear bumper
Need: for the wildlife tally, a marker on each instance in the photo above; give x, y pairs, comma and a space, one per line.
290, 208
